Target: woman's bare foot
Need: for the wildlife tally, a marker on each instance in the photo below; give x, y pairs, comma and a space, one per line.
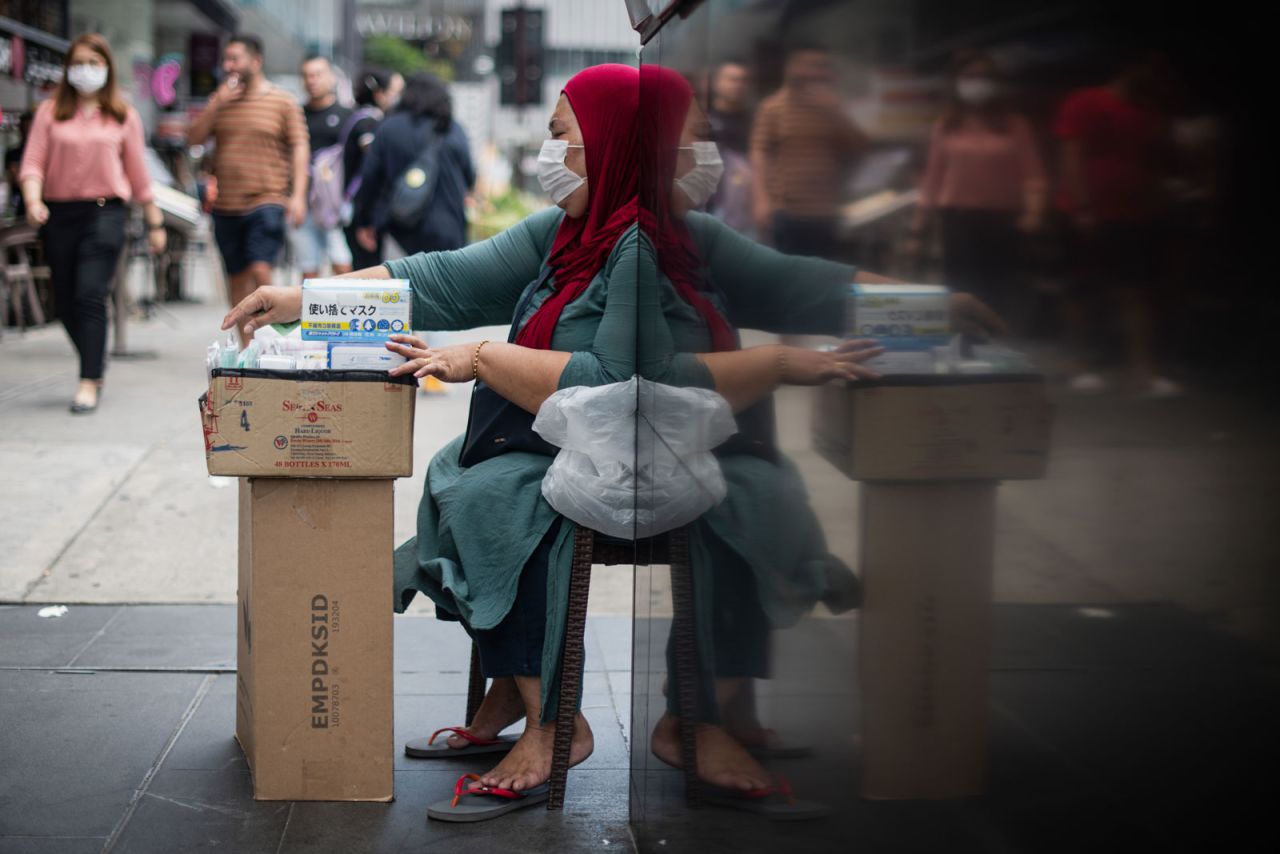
501, 708
529, 762
722, 761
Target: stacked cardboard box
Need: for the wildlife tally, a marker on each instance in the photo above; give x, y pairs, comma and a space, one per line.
317, 451
930, 452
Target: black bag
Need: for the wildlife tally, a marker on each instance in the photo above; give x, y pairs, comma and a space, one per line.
412, 192
757, 434
495, 425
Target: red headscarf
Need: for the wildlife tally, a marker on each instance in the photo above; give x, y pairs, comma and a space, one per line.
605, 99
665, 97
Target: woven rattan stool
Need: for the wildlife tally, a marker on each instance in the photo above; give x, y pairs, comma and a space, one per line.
590, 547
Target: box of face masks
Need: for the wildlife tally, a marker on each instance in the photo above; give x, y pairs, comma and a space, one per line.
355, 310
908, 321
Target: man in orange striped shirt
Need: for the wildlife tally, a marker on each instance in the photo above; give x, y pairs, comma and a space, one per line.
260, 161
803, 148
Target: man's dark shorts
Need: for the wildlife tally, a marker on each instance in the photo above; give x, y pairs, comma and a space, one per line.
247, 238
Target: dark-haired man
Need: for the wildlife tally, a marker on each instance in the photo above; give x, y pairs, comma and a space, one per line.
260, 161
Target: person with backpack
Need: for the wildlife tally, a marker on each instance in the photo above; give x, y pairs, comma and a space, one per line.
416, 174
319, 238
376, 91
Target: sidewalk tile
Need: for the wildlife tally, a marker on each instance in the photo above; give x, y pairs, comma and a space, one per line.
76, 746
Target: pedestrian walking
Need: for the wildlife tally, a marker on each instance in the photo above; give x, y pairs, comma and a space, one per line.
416, 174
260, 162
803, 147
984, 184
319, 240
377, 91
83, 164
1114, 139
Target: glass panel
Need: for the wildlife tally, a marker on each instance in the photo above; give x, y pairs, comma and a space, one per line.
894, 611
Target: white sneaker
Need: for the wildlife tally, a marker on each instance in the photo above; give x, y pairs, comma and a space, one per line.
1087, 383
1161, 388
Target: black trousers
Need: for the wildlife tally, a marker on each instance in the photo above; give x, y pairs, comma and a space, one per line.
815, 237
982, 255
362, 258
82, 242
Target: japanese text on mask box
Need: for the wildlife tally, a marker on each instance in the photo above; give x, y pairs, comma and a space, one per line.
355, 309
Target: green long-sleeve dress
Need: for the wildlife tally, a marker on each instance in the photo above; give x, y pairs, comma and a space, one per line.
478, 526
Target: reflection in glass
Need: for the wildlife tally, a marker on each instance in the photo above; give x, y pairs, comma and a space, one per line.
1084, 656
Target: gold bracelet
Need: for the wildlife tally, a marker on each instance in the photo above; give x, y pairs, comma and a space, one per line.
782, 365
475, 360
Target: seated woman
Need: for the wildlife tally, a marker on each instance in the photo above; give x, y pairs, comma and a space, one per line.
548, 275
758, 559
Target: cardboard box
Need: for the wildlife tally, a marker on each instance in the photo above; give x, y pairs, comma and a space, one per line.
925, 637
260, 423
314, 643
993, 427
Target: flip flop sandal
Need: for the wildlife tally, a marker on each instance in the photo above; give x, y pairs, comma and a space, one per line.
426, 748
775, 803
489, 801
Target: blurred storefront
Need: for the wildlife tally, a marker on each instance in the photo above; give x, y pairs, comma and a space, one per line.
33, 42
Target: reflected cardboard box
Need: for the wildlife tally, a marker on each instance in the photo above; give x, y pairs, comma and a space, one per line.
935, 427
930, 451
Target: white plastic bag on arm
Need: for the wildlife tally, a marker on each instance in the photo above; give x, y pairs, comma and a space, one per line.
614, 480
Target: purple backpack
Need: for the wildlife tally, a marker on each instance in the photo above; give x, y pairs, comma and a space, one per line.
329, 188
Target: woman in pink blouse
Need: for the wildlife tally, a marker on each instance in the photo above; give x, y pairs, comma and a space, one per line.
83, 163
985, 182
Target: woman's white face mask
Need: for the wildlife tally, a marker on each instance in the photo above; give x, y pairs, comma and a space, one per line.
701, 181
87, 78
978, 91
558, 180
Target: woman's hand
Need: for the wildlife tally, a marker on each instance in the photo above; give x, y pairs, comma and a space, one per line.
367, 237
802, 366
268, 304
157, 239
974, 317
449, 364
37, 213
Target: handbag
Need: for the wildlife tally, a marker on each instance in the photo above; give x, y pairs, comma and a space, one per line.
495, 425
412, 192
757, 433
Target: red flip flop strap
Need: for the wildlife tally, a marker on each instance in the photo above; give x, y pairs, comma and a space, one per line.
459, 790
463, 733
782, 788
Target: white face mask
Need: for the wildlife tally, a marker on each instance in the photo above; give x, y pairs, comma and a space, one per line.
977, 90
87, 78
702, 180
558, 180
